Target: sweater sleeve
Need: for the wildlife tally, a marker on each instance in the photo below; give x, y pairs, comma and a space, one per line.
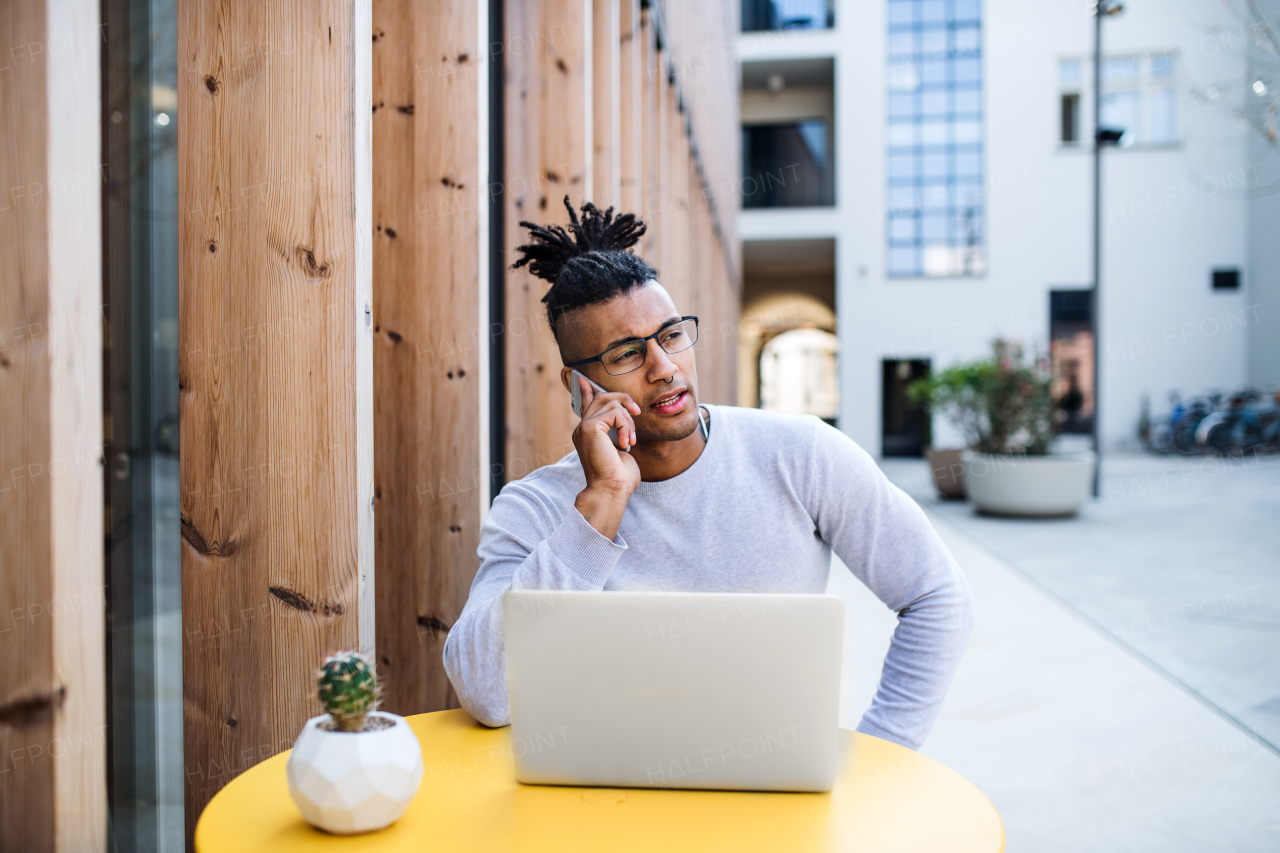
887, 542
523, 545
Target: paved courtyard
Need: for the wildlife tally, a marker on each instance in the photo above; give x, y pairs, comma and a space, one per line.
1121, 690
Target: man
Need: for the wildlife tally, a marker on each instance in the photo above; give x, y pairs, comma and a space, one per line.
699, 498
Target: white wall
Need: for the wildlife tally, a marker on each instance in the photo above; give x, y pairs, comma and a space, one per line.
1168, 216
1262, 280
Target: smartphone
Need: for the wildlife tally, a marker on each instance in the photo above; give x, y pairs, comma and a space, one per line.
576, 390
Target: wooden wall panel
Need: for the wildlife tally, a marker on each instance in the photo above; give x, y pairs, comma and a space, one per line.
430, 347
662, 164
676, 169
606, 95
673, 216
631, 106
710, 302
651, 132
548, 155
52, 691
702, 47
275, 368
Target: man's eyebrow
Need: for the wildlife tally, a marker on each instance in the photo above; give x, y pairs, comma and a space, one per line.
616, 341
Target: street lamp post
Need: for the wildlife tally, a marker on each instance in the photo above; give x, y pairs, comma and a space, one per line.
1101, 136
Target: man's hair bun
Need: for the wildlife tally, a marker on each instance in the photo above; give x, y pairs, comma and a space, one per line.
593, 265
552, 247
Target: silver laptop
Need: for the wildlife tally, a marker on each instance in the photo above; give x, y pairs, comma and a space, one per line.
733, 691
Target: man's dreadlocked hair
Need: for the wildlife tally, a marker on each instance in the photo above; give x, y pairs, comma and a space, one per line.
592, 266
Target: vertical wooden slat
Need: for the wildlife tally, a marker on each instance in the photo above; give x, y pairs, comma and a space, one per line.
717, 301
707, 286
651, 246
630, 106
360, 183
547, 156
275, 369
674, 221
666, 133
662, 165
52, 691
728, 308
429, 215
606, 111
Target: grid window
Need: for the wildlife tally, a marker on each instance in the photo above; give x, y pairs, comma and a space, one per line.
935, 139
1139, 99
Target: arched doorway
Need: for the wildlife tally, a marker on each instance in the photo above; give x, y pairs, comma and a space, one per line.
798, 373
766, 318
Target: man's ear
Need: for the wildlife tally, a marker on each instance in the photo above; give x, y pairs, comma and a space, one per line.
564, 378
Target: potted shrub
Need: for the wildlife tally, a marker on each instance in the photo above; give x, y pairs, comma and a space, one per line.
353, 769
1003, 407
947, 392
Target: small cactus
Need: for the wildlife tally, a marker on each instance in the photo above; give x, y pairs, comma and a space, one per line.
348, 689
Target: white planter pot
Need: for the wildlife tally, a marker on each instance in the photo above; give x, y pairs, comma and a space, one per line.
1034, 486
352, 782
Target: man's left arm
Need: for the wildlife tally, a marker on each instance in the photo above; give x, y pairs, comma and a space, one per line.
887, 542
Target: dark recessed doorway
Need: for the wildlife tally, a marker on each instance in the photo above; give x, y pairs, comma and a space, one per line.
905, 425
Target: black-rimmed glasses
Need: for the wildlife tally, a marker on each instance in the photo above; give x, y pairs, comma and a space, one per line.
629, 355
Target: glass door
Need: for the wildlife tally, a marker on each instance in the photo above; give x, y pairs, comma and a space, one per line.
140, 312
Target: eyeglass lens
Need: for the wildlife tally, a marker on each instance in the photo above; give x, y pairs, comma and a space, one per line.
627, 357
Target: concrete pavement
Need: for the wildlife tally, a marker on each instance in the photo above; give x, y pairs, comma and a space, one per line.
1103, 703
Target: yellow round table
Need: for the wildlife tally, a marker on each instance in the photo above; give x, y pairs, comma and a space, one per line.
887, 798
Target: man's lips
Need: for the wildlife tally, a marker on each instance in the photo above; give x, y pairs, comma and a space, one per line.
668, 403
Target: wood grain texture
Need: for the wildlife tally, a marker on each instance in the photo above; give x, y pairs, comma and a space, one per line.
429, 207
274, 368
662, 164
606, 110
548, 151
630, 107
52, 690
674, 219
650, 186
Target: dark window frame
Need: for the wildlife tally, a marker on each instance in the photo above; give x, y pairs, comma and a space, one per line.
761, 188
1069, 128
759, 16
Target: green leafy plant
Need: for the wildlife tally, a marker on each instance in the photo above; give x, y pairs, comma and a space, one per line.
1000, 404
348, 689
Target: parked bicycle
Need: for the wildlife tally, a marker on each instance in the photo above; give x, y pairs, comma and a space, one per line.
1184, 429
1244, 421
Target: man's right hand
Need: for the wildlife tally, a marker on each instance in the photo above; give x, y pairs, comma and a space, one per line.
612, 475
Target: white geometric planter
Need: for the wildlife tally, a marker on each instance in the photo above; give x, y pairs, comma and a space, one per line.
1031, 486
352, 782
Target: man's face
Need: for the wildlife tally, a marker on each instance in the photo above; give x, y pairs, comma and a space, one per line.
665, 387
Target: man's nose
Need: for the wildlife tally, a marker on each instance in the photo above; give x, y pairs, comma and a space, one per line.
661, 368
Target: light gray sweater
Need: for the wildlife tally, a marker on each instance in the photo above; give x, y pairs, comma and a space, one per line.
759, 511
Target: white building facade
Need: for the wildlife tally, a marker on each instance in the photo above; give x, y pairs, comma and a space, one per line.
959, 208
